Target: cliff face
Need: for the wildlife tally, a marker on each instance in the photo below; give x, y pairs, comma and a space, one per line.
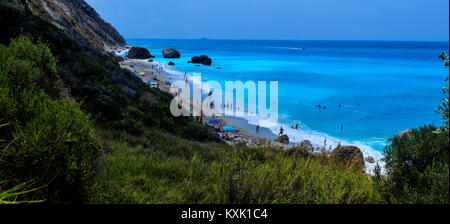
75, 17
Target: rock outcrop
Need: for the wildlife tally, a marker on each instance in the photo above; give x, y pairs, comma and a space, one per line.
139, 53
202, 59
170, 53
348, 155
283, 139
306, 146
171, 63
75, 17
370, 159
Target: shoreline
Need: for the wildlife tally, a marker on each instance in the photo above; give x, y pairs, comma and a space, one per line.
244, 131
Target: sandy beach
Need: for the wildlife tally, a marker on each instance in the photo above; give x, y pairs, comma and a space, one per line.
244, 132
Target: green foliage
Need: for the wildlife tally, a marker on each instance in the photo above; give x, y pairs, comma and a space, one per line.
443, 108
416, 168
153, 112
156, 167
10, 196
27, 61
50, 139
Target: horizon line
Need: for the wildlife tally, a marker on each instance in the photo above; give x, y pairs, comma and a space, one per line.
206, 38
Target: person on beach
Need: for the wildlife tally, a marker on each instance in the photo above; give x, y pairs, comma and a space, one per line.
281, 130
296, 126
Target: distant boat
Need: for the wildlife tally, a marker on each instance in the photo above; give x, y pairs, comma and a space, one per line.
204, 38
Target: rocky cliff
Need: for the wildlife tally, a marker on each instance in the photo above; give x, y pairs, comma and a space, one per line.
74, 17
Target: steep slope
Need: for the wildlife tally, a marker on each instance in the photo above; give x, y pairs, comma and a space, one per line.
110, 94
75, 17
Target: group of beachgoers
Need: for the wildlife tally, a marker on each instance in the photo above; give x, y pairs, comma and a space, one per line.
296, 125
227, 136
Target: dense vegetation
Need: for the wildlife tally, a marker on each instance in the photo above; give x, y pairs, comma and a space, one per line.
76, 128
158, 167
50, 140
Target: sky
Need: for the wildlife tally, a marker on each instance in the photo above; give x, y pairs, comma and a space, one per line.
421, 20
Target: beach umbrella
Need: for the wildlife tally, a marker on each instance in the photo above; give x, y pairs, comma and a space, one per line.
228, 128
213, 122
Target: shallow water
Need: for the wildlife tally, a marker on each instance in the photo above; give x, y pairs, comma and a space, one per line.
396, 84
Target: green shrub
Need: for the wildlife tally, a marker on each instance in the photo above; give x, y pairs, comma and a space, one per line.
416, 168
50, 139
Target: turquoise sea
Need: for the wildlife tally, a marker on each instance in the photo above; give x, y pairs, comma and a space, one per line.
396, 84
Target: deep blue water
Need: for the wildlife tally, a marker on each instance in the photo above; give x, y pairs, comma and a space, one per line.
397, 84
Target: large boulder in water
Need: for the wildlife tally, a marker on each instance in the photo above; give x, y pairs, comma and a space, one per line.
139, 53
170, 53
202, 59
348, 155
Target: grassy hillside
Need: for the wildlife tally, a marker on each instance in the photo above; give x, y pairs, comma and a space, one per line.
157, 167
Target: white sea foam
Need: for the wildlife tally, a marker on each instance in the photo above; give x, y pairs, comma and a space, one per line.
317, 139
121, 52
